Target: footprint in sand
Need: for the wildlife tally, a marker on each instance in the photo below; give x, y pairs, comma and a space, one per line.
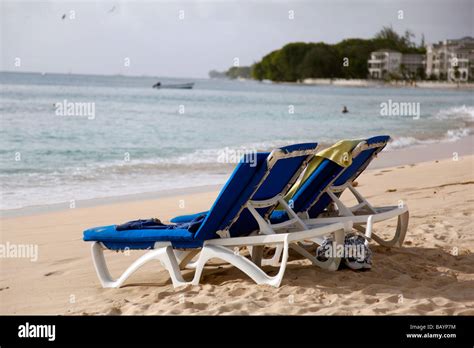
229, 308
143, 307
162, 295
370, 301
114, 311
53, 273
199, 306
394, 299
64, 261
380, 310
237, 292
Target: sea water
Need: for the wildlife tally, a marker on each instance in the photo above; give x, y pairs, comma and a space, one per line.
72, 137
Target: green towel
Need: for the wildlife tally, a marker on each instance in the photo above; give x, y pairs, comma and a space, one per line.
340, 153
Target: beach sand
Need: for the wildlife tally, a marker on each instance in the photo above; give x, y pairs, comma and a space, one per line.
432, 274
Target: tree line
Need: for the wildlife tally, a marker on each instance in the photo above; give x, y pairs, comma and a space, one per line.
346, 59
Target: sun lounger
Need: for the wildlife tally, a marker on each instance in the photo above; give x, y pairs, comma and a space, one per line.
238, 218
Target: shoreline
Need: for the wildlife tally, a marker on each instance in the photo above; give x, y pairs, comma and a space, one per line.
366, 83
405, 156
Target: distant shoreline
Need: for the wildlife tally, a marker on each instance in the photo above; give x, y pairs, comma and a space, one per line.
365, 83
376, 83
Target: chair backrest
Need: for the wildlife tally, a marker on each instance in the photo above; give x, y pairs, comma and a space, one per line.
360, 160
273, 174
311, 190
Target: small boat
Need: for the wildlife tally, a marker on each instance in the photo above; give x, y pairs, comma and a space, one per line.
175, 86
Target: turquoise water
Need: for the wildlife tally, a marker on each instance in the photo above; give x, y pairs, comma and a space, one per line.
141, 140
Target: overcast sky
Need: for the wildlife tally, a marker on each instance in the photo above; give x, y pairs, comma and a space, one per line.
104, 36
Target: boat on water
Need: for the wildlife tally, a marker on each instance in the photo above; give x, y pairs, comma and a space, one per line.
188, 85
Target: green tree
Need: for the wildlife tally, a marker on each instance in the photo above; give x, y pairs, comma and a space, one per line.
457, 73
299, 60
236, 72
421, 73
321, 61
387, 33
357, 51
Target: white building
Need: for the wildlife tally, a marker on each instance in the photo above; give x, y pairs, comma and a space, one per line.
451, 60
384, 62
412, 64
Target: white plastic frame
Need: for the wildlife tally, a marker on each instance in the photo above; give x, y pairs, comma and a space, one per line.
173, 261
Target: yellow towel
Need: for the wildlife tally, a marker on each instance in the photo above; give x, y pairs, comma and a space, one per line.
340, 153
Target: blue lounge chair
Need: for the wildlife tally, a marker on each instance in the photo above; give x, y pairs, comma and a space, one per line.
317, 200
237, 218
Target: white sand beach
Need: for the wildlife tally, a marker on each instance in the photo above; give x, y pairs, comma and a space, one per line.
432, 274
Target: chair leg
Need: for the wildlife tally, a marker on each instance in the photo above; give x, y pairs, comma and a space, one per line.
101, 267
242, 263
185, 257
400, 233
163, 254
275, 260
332, 263
257, 254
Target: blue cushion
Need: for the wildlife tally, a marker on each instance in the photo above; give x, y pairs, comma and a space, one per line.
186, 218
278, 216
378, 139
319, 180
235, 191
138, 239
311, 189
